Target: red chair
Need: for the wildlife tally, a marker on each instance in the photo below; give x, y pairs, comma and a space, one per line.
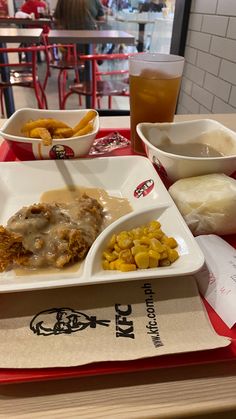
63, 58
105, 82
24, 74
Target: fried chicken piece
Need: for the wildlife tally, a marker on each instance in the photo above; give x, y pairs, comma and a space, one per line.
11, 248
56, 234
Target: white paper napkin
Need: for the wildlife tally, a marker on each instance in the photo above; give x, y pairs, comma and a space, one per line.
217, 279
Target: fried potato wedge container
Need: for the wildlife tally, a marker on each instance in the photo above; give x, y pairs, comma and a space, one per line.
26, 148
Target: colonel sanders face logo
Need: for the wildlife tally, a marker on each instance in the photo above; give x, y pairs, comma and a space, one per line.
61, 152
58, 321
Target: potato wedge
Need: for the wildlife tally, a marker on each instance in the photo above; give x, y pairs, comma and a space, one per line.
49, 123
42, 133
85, 130
62, 132
84, 121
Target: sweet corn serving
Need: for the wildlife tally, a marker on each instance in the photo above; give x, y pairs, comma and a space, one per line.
143, 247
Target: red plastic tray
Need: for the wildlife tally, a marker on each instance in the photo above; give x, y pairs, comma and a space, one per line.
13, 375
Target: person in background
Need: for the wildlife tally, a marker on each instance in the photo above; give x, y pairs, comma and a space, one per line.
78, 14
37, 7
152, 6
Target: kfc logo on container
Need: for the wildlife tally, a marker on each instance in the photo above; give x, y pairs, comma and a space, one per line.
144, 188
61, 152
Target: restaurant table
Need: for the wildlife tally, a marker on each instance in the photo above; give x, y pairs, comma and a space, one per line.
89, 38
205, 390
142, 19
15, 35
19, 21
141, 22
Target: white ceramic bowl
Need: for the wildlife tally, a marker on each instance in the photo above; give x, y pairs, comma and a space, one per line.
209, 133
32, 148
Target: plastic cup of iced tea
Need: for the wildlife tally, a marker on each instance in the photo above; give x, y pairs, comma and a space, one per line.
154, 87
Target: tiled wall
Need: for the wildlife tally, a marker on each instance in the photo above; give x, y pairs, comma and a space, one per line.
209, 79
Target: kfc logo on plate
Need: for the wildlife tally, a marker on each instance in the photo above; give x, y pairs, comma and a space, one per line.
144, 188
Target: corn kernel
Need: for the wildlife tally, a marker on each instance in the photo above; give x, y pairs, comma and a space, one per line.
127, 267
153, 258
145, 240
117, 248
156, 245
154, 225
112, 265
164, 255
105, 265
112, 242
126, 256
142, 260
108, 256
173, 255
164, 262
125, 242
158, 234
118, 263
170, 241
137, 232
138, 248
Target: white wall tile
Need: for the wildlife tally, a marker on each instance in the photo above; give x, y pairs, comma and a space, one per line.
228, 71
186, 85
204, 110
216, 25
221, 107
223, 47
208, 62
193, 73
189, 103
204, 6
190, 55
226, 7
195, 22
232, 98
218, 87
181, 110
188, 38
199, 40
231, 32
202, 96
209, 79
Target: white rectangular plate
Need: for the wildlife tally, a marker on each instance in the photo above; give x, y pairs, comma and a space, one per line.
132, 177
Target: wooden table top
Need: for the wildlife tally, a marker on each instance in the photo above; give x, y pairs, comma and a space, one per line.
20, 35
199, 391
90, 37
23, 21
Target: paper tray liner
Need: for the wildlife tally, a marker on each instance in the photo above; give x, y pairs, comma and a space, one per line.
11, 375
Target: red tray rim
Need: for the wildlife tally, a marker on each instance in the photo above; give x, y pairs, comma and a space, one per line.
15, 375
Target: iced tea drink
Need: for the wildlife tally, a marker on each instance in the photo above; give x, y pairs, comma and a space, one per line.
154, 86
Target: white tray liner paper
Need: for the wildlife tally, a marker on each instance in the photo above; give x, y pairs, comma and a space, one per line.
74, 326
